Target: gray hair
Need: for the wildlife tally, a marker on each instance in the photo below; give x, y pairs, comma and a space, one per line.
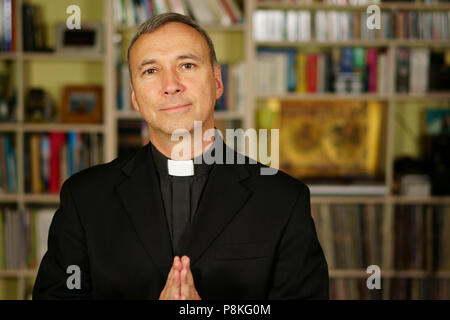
159, 20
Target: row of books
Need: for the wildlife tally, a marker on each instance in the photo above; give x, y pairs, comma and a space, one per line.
132, 134
322, 26
8, 164
422, 70
394, 289
351, 70
233, 78
342, 70
8, 94
7, 25
207, 13
34, 36
23, 236
348, 2
53, 157
352, 236
410, 235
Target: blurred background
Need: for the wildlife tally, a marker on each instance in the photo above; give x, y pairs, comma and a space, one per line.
361, 101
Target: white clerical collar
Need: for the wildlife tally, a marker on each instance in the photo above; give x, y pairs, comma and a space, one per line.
180, 168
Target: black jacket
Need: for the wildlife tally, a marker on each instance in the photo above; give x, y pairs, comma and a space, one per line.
253, 236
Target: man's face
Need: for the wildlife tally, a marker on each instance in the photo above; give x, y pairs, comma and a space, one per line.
171, 67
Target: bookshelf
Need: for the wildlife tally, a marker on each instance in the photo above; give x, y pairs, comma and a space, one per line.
395, 103
244, 48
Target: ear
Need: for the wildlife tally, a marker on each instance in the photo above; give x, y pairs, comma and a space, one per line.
218, 80
133, 99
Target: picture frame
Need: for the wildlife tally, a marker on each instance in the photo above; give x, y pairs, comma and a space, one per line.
87, 40
82, 104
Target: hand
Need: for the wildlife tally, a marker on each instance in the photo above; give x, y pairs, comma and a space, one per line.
188, 291
171, 290
180, 282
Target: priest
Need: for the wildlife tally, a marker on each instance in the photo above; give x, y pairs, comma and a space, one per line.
160, 224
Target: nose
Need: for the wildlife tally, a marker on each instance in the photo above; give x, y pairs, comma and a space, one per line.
172, 84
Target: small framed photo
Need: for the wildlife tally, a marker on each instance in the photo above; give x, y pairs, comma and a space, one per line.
87, 40
82, 104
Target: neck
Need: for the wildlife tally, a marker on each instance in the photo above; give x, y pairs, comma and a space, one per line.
171, 149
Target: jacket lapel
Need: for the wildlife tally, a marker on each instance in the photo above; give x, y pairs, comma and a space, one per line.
141, 197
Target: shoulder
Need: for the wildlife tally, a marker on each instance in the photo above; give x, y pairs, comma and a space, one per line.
102, 174
272, 180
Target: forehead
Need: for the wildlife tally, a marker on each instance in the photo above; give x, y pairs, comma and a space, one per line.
168, 41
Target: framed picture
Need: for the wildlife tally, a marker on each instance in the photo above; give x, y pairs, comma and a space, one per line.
87, 40
82, 104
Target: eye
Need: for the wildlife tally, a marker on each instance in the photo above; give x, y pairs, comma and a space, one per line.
188, 65
149, 71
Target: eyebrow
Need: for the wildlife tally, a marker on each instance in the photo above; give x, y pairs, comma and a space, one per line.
180, 57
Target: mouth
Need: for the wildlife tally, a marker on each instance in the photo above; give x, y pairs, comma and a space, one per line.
178, 107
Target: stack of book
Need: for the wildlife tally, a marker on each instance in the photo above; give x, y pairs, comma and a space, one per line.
34, 38
350, 235
342, 70
132, 135
7, 25
51, 158
421, 70
23, 237
207, 13
8, 165
335, 26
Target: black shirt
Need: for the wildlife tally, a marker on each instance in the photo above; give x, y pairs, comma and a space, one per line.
181, 194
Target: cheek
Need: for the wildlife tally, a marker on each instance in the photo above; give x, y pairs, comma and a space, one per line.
146, 96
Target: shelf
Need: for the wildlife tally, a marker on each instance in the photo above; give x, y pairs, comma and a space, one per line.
8, 55
13, 273
437, 200
9, 126
348, 7
63, 127
128, 115
50, 127
401, 97
388, 199
228, 115
323, 96
52, 198
355, 43
9, 197
413, 274
64, 57
45, 198
348, 199
360, 96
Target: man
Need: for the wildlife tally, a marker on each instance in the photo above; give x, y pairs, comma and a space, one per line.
159, 225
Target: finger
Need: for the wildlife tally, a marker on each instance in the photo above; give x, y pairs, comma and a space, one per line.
189, 277
177, 263
171, 272
175, 288
187, 281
